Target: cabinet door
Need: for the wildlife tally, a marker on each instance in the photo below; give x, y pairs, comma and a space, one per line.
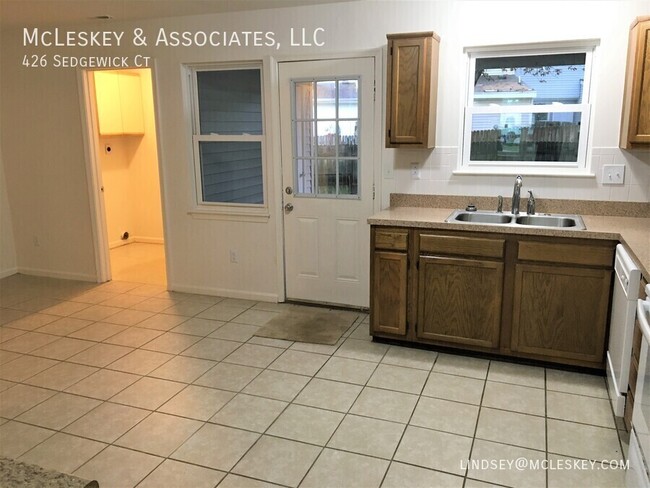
640, 123
459, 300
407, 107
131, 104
635, 123
561, 312
388, 293
109, 111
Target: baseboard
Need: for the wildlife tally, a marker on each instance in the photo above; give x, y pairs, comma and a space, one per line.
120, 243
64, 275
224, 292
8, 272
149, 240
131, 240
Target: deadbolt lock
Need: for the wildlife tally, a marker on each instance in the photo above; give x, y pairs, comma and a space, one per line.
288, 190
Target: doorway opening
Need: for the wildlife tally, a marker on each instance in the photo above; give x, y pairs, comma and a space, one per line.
126, 183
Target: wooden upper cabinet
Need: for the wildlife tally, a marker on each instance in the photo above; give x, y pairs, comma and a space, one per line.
635, 122
119, 103
411, 88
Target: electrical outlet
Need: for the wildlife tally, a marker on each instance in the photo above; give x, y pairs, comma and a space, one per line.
234, 256
415, 171
613, 174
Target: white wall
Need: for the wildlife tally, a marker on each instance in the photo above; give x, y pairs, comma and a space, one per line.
44, 146
8, 264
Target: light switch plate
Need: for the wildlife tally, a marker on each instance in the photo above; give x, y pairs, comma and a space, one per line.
613, 174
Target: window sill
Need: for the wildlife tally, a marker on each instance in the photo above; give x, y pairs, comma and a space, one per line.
233, 214
550, 172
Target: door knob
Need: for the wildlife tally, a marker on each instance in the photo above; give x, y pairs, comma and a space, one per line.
288, 207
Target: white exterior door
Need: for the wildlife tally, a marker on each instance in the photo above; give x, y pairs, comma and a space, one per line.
327, 111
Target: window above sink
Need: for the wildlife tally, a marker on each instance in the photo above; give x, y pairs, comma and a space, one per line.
527, 109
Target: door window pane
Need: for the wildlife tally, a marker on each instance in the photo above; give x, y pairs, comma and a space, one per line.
305, 139
327, 176
326, 138
305, 175
304, 100
348, 99
326, 101
348, 139
348, 177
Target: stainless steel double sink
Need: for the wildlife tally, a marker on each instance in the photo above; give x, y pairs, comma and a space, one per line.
574, 222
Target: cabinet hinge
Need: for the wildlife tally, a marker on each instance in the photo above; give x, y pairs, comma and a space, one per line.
389, 133
391, 51
417, 265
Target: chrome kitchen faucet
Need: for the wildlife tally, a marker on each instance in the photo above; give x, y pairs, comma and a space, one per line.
516, 195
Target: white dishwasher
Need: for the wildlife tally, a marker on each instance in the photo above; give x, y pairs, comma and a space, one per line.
639, 453
621, 328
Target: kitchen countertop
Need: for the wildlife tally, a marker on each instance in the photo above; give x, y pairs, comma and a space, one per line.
634, 232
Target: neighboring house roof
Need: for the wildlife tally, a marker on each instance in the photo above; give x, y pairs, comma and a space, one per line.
491, 85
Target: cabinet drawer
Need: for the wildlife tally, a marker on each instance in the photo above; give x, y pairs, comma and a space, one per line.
462, 246
392, 239
566, 253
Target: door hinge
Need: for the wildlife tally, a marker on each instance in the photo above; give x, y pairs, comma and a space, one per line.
374, 91
373, 191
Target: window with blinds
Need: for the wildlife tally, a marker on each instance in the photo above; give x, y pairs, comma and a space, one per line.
229, 135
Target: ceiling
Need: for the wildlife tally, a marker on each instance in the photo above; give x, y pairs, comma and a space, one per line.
39, 13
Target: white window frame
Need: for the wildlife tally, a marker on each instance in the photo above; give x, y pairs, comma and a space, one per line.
226, 210
548, 168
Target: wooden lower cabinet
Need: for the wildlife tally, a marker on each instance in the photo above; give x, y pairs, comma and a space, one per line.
531, 297
389, 281
389, 289
459, 300
561, 312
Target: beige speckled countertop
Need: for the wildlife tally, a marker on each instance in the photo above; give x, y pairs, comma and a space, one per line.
634, 232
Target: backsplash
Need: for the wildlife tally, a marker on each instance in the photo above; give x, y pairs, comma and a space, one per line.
436, 177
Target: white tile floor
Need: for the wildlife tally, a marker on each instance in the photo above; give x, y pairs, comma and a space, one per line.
139, 262
132, 385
